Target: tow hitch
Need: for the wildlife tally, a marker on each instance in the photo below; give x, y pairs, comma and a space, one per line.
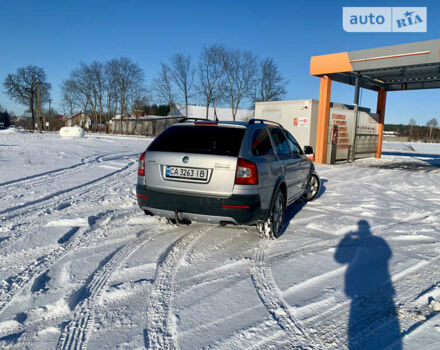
180, 221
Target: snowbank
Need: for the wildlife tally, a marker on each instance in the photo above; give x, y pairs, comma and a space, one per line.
71, 131
11, 131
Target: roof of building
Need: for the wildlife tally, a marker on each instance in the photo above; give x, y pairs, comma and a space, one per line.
392, 68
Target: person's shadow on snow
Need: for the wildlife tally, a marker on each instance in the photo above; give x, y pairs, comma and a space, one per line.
373, 320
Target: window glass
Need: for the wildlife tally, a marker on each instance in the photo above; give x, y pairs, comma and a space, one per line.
261, 144
293, 144
280, 141
200, 139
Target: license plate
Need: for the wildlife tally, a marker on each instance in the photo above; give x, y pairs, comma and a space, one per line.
175, 172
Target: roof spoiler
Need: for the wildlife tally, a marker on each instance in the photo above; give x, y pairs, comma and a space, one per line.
264, 121
185, 119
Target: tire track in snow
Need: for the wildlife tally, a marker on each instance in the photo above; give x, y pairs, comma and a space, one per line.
237, 338
85, 193
237, 269
49, 174
59, 195
12, 286
33, 327
160, 333
74, 334
271, 298
62, 172
91, 194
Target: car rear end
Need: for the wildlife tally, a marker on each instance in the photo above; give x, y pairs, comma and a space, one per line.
193, 171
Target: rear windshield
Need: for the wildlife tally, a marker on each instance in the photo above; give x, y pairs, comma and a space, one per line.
200, 139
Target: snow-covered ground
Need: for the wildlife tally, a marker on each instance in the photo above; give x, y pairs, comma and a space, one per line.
82, 266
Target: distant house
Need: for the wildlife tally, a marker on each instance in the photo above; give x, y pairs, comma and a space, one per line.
80, 119
221, 113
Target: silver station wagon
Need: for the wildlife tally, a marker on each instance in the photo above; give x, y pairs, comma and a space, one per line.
240, 173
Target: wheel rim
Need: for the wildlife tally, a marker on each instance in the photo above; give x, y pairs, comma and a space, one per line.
314, 187
278, 214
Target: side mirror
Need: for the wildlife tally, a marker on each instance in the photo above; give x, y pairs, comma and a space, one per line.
308, 150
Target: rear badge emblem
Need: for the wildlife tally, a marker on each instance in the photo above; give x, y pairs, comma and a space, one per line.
185, 159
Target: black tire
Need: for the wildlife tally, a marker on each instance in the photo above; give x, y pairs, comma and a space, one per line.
273, 225
312, 189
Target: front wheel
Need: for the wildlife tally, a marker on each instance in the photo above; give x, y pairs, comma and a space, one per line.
313, 187
273, 225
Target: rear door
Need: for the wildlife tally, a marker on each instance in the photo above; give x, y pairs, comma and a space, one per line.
198, 159
289, 163
304, 163
269, 165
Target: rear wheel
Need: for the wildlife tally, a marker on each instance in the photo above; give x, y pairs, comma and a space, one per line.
273, 225
312, 189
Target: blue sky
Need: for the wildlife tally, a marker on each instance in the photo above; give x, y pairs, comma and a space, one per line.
57, 35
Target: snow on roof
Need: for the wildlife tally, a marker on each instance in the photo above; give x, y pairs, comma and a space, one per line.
222, 113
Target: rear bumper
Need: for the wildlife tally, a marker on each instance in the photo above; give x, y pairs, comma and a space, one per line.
236, 209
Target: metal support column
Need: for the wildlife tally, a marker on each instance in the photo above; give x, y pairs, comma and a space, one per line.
356, 114
381, 103
323, 119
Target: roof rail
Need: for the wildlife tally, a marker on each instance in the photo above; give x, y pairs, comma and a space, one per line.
263, 121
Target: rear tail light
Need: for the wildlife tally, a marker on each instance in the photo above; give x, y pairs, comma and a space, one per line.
141, 167
247, 173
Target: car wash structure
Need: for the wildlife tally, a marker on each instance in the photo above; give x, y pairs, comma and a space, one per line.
392, 68
300, 117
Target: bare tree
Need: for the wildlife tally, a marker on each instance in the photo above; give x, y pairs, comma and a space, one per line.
97, 76
412, 124
128, 78
69, 95
111, 89
270, 84
163, 87
182, 72
432, 124
85, 86
240, 71
23, 85
211, 75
